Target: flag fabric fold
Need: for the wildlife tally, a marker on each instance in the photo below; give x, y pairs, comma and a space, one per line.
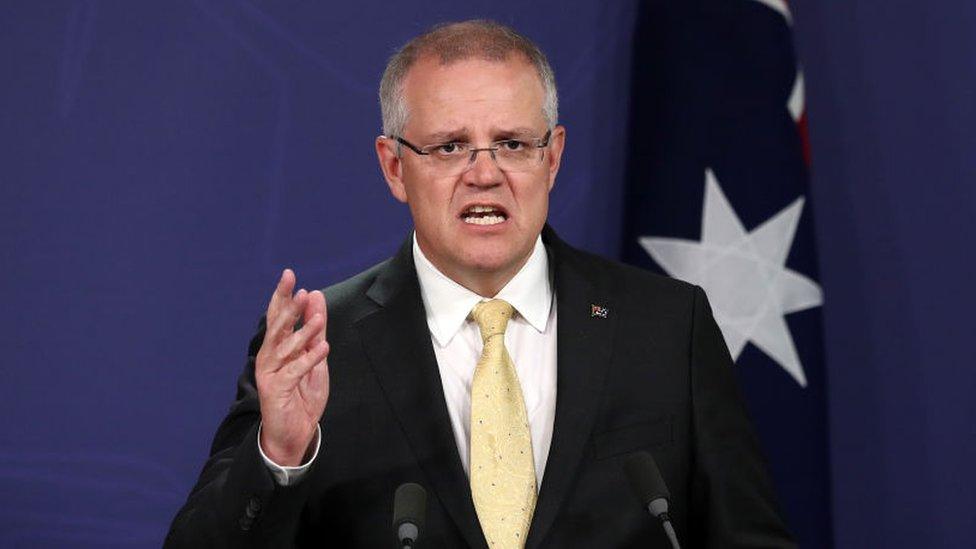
717, 187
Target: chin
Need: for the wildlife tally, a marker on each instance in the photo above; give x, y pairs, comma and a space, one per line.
488, 262
493, 257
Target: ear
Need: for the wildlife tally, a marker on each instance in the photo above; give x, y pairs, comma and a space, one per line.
557, 141
392, 166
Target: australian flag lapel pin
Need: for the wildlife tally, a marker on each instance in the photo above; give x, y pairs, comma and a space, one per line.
598, 311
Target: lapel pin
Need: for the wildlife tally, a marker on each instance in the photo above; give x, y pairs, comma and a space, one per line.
598, 311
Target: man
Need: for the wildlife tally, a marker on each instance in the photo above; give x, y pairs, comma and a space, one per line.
444, 365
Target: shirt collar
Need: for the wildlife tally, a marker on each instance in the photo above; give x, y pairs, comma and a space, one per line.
448, 303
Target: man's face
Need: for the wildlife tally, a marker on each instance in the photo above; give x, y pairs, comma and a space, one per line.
477, 102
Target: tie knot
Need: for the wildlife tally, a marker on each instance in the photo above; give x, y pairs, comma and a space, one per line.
492, 317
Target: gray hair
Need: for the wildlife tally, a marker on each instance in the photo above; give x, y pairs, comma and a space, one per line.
477, 38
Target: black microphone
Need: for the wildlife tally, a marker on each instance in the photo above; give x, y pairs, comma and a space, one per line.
646, 480
409, 511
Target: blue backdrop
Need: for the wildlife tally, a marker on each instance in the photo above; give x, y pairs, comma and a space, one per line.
162, 161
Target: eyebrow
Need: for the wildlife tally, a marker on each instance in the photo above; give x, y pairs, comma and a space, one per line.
448, 136
461, 134
520, 131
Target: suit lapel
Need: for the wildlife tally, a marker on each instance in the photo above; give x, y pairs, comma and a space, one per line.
397, 341
584, 342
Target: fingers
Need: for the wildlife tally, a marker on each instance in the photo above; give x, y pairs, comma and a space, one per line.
280, 299
301, 366
318, 380
314, 306
282, 292
282, 323
286, 349
301, 339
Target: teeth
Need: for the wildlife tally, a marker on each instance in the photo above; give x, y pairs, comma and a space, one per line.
486, 220
483, 215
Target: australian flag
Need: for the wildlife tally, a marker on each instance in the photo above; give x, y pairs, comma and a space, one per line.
717, 186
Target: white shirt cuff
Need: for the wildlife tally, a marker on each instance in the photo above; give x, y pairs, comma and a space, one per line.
286, 476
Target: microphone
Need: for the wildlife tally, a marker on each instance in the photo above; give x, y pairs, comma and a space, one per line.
646, 480
409, 511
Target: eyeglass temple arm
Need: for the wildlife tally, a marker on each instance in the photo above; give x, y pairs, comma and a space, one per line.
407, 144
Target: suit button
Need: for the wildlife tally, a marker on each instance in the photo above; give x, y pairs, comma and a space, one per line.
245, 523
254, 504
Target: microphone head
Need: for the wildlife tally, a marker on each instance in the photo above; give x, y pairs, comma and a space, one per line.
409, 507
645, 477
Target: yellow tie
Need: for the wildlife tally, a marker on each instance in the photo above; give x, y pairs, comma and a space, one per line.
502, 468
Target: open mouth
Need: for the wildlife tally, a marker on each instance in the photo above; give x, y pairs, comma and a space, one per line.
480, 214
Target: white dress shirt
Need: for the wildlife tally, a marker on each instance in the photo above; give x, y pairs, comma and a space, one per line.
530, 338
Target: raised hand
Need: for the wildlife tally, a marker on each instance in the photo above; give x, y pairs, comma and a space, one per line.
292, 372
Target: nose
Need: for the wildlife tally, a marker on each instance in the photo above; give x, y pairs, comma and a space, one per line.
483, 170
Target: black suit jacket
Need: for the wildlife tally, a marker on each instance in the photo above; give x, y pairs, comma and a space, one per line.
653, 374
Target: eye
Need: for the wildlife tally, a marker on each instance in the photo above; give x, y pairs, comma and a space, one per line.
449, 149
512, 145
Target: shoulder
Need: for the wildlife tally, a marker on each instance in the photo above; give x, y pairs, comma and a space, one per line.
347, 300
355, 286
635, 286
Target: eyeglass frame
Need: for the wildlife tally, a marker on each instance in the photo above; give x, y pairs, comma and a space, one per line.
541, 143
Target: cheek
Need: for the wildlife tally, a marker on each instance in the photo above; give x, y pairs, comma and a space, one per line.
533, 200
430, 202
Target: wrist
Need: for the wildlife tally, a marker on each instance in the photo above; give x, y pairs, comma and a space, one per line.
288, 455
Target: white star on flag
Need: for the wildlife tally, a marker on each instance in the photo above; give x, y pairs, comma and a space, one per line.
745, 276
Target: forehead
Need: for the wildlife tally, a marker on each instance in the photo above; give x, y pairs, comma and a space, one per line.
473, 93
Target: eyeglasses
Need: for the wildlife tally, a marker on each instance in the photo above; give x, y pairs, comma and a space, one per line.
455, 158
